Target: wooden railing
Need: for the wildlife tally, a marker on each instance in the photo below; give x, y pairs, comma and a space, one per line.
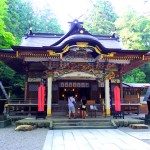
129, 108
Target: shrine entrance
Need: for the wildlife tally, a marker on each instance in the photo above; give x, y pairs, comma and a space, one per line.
79, 83
77, 93
89, 88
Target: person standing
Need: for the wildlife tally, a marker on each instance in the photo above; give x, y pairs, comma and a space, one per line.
83, 107
71, 106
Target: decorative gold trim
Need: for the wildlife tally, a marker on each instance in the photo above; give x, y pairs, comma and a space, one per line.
102, 56
143, 58
61, 55
97, 49
82, 44
110, 75
52, 53
17, 54
111, 54
65, 49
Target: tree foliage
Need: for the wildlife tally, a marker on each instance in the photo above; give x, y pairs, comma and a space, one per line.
134, 30
6, 38
22, 15
135, 34
146, 69
45, 20
100, 18
135, 76
13, 81
16, 18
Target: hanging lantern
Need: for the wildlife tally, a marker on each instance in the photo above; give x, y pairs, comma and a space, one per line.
41, 95
117, 98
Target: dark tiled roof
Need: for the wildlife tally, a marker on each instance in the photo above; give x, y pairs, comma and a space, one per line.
114, 44
76, 32
40, 40
136, 85
57, 42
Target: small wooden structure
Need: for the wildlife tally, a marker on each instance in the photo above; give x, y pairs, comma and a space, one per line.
133, 95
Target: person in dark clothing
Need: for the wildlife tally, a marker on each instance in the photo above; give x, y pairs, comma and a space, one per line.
83, 107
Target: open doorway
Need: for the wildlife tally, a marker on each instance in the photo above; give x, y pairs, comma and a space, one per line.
77, 93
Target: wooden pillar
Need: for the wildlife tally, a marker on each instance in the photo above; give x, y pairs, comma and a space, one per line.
26, 82
107, 97
138, 96
49, 96
25, 92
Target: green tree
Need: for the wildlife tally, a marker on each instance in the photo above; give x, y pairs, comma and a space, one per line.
17, 16
6, 38
17, 86
45, 20
134, 30
22, 15
135, 76
100, 18
146, 69
6, 73
135, 34
13, 81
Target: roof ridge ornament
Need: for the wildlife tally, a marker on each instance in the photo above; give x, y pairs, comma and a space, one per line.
77, 23
29, 33
116, 36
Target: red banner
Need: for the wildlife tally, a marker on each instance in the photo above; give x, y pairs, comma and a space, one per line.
117, 98
41, 95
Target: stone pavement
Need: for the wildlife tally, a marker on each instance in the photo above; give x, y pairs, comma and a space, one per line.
82, 139
92, 139
123, 138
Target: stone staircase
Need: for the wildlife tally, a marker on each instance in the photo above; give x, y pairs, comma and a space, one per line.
83, 124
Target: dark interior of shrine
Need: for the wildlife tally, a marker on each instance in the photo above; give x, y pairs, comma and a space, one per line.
76, 92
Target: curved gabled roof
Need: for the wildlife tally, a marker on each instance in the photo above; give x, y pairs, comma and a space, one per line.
56, 42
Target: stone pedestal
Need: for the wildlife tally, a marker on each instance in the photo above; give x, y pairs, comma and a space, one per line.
2, 103
148, 106
147, 119
118, 114
4, 121
41, 114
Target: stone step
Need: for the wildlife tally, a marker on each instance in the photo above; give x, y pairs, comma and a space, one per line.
82, 120
82, 123
82, 127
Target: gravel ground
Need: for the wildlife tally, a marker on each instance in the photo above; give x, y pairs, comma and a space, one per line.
22, 140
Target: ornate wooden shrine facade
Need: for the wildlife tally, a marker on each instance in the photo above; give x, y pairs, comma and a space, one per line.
90, 65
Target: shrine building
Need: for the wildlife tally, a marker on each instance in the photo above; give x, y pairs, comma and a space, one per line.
88, 65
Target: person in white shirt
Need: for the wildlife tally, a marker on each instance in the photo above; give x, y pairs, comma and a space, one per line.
71, 106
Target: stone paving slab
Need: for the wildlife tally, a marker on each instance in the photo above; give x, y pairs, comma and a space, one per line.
141, 135
92, 139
